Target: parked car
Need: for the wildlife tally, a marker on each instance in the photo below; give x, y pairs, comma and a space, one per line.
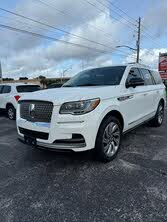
55, 85
93, 110
10, 93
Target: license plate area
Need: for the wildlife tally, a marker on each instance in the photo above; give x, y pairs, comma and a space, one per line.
30, 140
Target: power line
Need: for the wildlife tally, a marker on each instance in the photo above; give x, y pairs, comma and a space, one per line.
51, 6
53, 27
129, 22
101, 10
147, 34
55, 39
58, 29
125, 13
50, 26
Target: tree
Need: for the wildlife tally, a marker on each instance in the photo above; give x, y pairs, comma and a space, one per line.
23, 78
41, 77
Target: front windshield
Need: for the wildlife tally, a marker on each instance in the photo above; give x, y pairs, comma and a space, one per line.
97, 77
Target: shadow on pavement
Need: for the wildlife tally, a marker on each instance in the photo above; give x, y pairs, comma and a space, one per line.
2, 113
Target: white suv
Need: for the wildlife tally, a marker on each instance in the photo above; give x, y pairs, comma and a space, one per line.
93, 110
10, 93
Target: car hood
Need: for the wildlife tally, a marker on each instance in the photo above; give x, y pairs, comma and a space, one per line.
64, 94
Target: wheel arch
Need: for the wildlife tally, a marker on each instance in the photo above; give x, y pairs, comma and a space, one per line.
8, 105
162, 101
114, 113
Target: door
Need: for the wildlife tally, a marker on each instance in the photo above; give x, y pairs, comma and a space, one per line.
134, 101
150, 93
158, 88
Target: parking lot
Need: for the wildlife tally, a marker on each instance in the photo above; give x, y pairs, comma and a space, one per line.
47, 186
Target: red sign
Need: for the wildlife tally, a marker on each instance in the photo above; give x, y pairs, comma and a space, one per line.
163, 62
163, 75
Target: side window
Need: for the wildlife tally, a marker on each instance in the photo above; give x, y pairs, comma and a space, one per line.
6, 89
156, 77
1, 88
148, 80
134, 73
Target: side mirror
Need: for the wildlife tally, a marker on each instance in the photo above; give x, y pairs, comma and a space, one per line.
133, 82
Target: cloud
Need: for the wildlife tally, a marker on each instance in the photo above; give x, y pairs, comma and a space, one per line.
57, 15
24, 55
149, 57
156, 18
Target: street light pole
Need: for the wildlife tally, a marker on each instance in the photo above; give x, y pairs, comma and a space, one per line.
63, 73
126, 46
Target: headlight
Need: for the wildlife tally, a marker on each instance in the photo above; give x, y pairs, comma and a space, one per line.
79, 107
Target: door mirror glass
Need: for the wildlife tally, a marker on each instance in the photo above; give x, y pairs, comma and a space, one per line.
135, 81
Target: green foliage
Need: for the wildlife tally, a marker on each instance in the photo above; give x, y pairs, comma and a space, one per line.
23, 78
7, 79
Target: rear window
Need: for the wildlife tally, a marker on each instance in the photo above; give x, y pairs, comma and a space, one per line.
6, 89
27, 88
1, 88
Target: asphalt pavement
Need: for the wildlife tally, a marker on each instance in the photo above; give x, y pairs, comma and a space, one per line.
43, 186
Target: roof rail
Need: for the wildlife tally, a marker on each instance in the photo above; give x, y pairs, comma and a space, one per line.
139, 64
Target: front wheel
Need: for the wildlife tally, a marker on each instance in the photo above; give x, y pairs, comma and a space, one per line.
11, 112
108, 139
159, 117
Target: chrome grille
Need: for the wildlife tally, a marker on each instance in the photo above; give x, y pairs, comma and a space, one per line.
36, 111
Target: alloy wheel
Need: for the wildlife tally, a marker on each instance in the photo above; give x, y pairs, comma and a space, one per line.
111, 139
160, 114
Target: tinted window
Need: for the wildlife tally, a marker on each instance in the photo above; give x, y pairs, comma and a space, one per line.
148, 80
54, 85
1, 87
134, 72
6, 89
27, 88
156, 77
97, 77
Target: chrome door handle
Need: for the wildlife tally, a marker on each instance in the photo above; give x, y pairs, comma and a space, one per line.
145, 94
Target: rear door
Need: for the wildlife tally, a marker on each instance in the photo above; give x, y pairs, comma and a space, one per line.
159, 89
150, 91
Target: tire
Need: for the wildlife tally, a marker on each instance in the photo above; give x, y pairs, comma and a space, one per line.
159, 117
108, 139
11, 112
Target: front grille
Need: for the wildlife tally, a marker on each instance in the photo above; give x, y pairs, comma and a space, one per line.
36, 111
34, 134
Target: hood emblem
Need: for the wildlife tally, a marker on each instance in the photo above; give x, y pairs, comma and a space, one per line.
32, 110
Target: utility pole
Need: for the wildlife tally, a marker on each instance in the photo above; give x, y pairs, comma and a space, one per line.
138, 40
0, 72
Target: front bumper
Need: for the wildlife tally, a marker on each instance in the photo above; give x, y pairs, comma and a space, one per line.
63, 127
73, 147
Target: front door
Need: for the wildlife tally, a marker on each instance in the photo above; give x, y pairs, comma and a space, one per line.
134, 101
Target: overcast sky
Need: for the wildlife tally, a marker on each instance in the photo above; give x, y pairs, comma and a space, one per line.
99, 26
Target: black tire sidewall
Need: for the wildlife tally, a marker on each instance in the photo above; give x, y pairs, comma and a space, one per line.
99, 152
155, 122
157, 115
